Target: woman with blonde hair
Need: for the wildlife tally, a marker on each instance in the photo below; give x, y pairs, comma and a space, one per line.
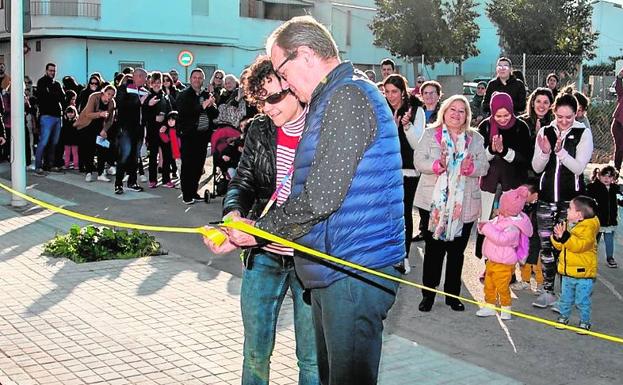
451, 157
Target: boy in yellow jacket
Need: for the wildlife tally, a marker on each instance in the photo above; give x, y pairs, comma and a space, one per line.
577, 262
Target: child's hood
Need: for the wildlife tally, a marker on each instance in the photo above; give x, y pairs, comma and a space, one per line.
521, 221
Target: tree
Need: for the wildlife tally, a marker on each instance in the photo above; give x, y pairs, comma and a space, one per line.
440, 31
539, 27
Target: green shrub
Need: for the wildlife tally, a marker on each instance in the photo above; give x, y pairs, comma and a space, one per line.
90, 244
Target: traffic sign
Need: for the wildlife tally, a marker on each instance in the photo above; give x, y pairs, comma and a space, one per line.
185, 58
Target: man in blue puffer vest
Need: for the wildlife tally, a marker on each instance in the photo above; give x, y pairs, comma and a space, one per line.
346, 199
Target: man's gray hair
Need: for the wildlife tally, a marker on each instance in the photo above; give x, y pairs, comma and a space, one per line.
140, 70
303, 31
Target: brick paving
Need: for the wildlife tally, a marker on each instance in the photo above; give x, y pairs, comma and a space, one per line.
157, 320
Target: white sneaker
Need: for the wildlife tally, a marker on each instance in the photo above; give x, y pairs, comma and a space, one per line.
31, 167
103, 178
126, 177
112, 170
407, 266
88, 177
485, 312
520, 285
545, 300
142, 178
504, 315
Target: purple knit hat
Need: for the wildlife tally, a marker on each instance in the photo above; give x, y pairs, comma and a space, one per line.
500, 100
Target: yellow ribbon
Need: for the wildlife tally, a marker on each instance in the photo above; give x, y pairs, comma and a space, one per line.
218, 238
211, 233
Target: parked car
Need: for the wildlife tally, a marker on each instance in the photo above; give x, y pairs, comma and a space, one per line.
469, 88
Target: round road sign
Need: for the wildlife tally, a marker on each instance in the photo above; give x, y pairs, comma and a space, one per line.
185, 58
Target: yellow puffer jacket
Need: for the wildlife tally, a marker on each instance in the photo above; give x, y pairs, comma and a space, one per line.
578, 252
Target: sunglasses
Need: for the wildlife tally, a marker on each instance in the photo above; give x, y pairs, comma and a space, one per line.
274, 98
420, 81
94, 84
218, 77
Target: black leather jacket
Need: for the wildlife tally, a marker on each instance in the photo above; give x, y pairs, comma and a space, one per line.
254, 183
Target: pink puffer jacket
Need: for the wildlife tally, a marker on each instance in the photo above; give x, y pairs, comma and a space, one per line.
507, 239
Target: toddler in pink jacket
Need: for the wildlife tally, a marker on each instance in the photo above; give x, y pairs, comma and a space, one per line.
506, 243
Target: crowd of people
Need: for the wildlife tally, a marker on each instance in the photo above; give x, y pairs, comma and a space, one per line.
337, 162
105, 128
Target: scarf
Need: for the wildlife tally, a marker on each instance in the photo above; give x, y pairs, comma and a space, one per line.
446, 219
500, 100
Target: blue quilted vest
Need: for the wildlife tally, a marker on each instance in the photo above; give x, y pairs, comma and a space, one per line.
368, 228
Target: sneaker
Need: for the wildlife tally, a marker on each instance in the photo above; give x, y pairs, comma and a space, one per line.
611, 263
31, 167
112, 170
57, 169
103, 178
485, 312
40, 172
505, 315
136, 187
190, 202
539, 289
584, 326
88, 177
142, 178
174, 176
562, 322
406, 266
555, 307
126, 177
118, 190
153, 184
520, 285
544, 300
169, 185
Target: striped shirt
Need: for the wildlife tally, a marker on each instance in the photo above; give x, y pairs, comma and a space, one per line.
287, 140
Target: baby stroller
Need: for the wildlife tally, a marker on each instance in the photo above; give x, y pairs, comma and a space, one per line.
223, 138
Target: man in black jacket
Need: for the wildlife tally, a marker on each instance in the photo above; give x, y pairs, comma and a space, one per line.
50, 95
505, 82
130, 99
196, 109
269, 271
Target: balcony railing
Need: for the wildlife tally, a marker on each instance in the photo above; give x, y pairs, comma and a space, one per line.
65, 8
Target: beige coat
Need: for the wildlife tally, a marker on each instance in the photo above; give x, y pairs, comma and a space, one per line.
91, 112
428, 150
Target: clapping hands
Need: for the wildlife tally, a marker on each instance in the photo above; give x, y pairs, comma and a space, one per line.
560, 229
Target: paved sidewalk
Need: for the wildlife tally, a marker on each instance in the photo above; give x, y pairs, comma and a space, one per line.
161, 320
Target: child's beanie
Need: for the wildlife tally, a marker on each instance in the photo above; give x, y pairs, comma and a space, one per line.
513, 201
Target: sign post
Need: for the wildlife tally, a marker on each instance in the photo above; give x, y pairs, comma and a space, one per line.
185, 58
18, 137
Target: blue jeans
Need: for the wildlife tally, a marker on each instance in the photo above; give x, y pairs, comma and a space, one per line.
126, 158
576, 291
264, 287
48, 139
609, 241
348, 319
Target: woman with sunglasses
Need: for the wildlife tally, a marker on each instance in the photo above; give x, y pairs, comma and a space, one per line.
410, 119
168, 87
506, 82
94, 85
216, 84
261, 181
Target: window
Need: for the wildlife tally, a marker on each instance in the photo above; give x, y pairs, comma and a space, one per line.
200, 7
274, 9
208, 69
133, 64
1, 4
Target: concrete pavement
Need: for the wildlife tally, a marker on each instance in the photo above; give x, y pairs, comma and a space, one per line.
161, 320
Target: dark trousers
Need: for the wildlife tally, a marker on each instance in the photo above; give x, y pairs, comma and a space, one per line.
154, 144
409, 185
194, 153
126, 157
547, 216
348, 320
617, 135
435, 251
88, 149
